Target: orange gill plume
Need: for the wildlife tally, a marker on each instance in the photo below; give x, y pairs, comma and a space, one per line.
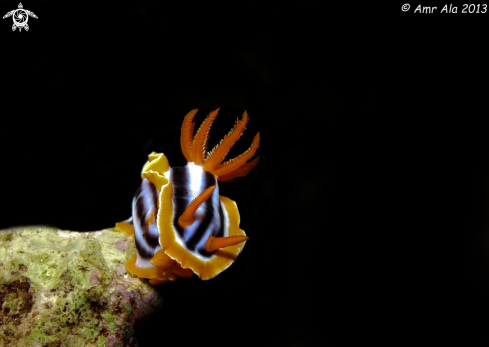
194, 148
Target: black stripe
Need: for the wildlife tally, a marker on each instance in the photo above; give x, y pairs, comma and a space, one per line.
213, 220
179, 177
152, 236
217, 228
141, 210
146, 234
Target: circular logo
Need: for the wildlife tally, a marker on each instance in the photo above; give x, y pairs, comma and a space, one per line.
20, 17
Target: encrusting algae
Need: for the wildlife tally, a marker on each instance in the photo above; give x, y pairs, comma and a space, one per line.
62, 288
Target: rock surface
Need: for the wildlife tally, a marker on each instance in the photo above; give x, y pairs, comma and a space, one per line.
63, 288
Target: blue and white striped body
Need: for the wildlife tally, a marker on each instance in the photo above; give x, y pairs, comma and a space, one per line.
188, 182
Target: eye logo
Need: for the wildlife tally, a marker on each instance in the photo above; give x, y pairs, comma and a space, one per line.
20, 17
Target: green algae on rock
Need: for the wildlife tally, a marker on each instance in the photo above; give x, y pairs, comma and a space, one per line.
62, 288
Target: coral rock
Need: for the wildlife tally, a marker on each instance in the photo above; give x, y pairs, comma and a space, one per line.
62, 288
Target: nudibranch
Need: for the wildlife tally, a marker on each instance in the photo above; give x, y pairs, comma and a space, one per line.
180, 223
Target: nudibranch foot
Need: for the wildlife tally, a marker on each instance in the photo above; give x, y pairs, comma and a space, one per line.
180, 223
126, 227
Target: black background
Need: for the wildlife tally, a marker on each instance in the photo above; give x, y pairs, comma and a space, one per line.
367, 213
